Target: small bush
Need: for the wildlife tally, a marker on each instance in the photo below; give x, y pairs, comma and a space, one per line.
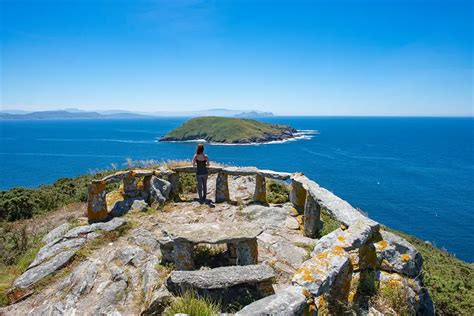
330, 223
277, 192
189, 303
187, 183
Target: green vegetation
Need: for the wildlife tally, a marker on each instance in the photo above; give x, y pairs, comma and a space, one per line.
450, 281
189, 303
330, 223
20, 203
277, 192
228, 130
17, 251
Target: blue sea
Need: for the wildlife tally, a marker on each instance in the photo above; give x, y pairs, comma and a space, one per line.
412, 174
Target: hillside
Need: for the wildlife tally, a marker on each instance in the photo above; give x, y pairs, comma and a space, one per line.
229, 130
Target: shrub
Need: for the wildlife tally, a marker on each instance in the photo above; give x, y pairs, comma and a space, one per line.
189, 303
277, 192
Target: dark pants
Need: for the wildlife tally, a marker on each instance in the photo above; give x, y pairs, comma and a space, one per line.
202, 186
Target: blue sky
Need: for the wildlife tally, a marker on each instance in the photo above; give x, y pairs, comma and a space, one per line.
289, 57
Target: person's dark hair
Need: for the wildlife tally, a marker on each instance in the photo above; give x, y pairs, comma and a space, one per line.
199, 149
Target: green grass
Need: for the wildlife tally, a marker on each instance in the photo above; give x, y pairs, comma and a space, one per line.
189, 303
225, 130
450, 281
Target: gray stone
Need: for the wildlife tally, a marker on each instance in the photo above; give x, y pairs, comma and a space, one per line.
220, 278
130, 255
56, 233
267, 217
222, 188
240, 171
80, 231
159, 301
150, 278
111, 225
33, 275
312, 217
394, 253
114, 293
50, 250
287, 302
118, 274
159, 190
260, 194
139, 206
274, 174
79, 282
212, 233
284, 250
144, 238
292, 223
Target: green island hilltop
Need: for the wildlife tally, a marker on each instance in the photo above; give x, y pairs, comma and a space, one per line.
229, 130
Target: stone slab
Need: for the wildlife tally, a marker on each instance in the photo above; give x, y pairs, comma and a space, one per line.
220, 278
191, 169
240, 171
274, 174
56, 233
211, 233
287, 302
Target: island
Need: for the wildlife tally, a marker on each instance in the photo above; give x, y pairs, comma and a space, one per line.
229, 131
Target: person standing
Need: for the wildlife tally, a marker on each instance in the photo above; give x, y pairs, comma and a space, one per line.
201, 162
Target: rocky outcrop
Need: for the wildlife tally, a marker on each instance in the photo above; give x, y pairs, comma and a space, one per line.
61, 250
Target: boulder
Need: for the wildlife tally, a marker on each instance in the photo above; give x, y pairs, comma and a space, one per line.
288, 302
159, 190
56, 233
395, 254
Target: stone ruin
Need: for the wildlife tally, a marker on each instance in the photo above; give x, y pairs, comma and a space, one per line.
359, 251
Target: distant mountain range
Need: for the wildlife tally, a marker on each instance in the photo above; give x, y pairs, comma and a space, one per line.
72, 113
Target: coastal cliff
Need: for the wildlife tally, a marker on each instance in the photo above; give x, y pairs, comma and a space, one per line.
145, 244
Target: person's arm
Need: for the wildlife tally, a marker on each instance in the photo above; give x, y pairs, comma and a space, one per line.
194, 161
207, 161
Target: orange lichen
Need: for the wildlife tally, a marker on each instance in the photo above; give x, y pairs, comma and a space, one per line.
381, 245
343, 227
341, 238
338, 250
322, 255
405, 257
306, 293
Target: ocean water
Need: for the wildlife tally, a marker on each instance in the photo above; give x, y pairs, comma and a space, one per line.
412, 174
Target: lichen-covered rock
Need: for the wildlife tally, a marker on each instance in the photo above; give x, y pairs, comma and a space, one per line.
288, 302
150, 278
320, 272
283, 249
56, 233
274, 174
396, 254
267, 217
33, 275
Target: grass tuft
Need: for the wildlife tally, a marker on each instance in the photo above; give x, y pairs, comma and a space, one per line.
189, 303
